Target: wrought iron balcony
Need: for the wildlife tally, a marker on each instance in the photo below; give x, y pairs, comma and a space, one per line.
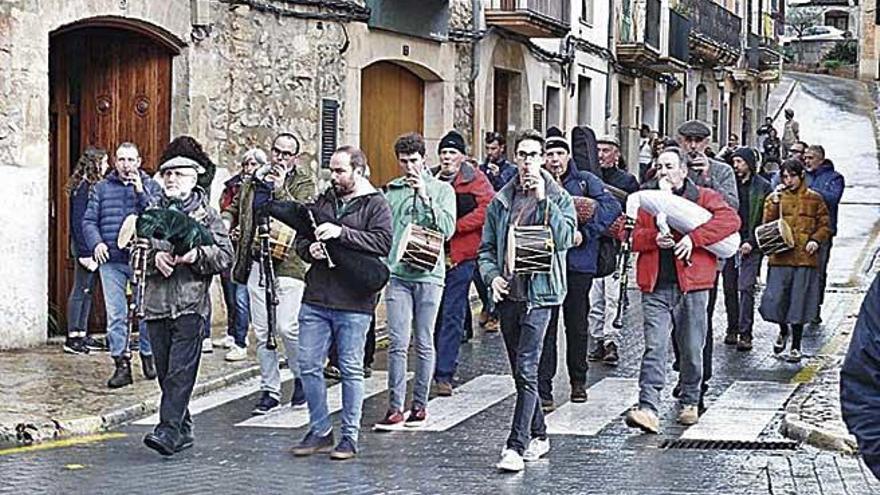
715, 33
639, 32
532, 18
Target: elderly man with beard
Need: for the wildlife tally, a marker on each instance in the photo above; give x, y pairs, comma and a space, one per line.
353, 214
176, 303
473, 192
581, 266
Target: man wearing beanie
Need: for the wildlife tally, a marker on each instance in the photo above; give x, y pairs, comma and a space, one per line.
473, 193
740, 278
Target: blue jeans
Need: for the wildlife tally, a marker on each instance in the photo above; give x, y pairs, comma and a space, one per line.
450, 324
318, 328
79, 304
114, 277
411, 310
237, 310
523, 331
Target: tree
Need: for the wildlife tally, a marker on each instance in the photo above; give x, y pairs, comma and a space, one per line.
799, 20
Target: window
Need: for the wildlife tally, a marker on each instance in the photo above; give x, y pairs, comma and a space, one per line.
552, 105
715, 120
702, 103
584, 110
329, 129
537, 117
587, 12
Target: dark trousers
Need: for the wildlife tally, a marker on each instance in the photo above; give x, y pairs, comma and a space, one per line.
177, 347
822, 268
369, 347
575, 309
740, 284
483, 292
523, 332
707, 347
451, 321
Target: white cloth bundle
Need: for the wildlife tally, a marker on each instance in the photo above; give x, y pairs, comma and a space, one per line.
681, 214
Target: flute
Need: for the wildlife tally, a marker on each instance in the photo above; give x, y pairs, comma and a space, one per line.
323, 245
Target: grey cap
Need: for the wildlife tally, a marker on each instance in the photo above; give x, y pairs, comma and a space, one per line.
694, 128
181, 162
608, 139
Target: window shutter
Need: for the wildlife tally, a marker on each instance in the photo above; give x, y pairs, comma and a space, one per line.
329, 129
538, 117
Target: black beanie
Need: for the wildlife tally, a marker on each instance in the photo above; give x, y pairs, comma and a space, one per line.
454, 140
555, 139
747, 155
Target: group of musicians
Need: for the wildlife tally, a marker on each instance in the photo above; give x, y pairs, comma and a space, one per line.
543, 234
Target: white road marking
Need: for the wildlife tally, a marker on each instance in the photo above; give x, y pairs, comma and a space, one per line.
608, 399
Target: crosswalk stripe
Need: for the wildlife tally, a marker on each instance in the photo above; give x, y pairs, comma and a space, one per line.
287, 417
220, 397
608, 399
468, 400
742, 412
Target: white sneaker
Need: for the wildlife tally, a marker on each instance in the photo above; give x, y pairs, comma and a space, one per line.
510, 461
225, 342
537, 448
236, 353
207, 346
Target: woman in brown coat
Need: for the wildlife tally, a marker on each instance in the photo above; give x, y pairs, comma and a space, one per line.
791, 298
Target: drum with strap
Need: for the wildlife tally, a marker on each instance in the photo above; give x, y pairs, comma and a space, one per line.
530, 249
421, 248
774, 237
584, 208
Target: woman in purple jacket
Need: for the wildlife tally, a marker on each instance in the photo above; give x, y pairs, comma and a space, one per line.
90, 169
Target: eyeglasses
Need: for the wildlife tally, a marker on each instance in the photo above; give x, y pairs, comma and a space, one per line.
286, 154
530, 156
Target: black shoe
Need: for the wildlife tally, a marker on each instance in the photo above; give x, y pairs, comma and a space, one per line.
732, 337
185, 442
344, 451
94, 344
817, 320
148, 366
75, 345
547, 405
265, 405
368, 371
611, 356
578, 392
313, 443
122, 375
160, 442
744, 344
676, 390
299, 395
598, 353
780, 344
134, 344
332, 372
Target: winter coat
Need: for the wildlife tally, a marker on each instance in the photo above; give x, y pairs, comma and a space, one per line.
473, 193
186, 290
759, 188
506, 171
110, 202
230, 191
298, 186
829, 183
366, 229
437, 213
806, 214
582, 259
621, 179
557, 210
721, 178
700, 274
79, 201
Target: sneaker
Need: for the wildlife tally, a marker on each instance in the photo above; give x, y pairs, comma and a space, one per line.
744, 344
75, 345
510, 461
443, 389
298, 399
732, 338
417, 417
392, 419
689, 415
644, 419
492, 325
94, 344
780, 344
537, 448
332, 372
207, 346
345, 450
236, 353
265, 404
794, 356
313, 444
547, 405
578, 393
611, 356
598, 353
225, 342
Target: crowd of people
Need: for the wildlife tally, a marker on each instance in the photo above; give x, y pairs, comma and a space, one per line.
424, 238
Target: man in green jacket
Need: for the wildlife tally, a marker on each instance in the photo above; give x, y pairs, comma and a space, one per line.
412, 297
289, 182
525, 301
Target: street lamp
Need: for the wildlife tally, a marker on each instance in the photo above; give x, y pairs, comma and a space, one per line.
720, 75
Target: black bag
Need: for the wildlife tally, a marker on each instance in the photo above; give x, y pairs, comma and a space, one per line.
606, 262
585, 150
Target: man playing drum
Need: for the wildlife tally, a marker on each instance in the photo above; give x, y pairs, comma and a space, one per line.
674, 273
525, 301
741, 273
425, 206
288, 182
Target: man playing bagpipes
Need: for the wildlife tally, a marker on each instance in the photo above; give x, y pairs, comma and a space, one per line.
675, 271
283, 180
187, 245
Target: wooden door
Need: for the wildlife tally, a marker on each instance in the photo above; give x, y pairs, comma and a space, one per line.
392, 103
501, 99
107, 86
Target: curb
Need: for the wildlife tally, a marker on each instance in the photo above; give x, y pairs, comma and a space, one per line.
797, 430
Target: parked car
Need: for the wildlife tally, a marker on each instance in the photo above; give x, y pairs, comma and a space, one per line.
818, 33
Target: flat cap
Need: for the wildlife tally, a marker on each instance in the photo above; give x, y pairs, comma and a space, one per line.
608, 139
181, 162
694, 128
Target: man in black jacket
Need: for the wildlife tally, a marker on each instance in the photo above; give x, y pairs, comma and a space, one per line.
354, 215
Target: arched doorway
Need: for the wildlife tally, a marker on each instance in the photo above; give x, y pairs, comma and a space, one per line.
392, 103
702, 104
109, 83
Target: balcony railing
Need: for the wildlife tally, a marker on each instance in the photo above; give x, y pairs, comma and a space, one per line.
753, 52
533, 18
640, 23
679, 28
652, 23
715, 23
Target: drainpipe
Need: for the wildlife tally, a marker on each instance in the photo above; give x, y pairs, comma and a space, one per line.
475, 72
609, 76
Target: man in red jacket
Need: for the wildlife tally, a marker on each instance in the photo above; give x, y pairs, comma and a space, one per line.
675, 272
473, 193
